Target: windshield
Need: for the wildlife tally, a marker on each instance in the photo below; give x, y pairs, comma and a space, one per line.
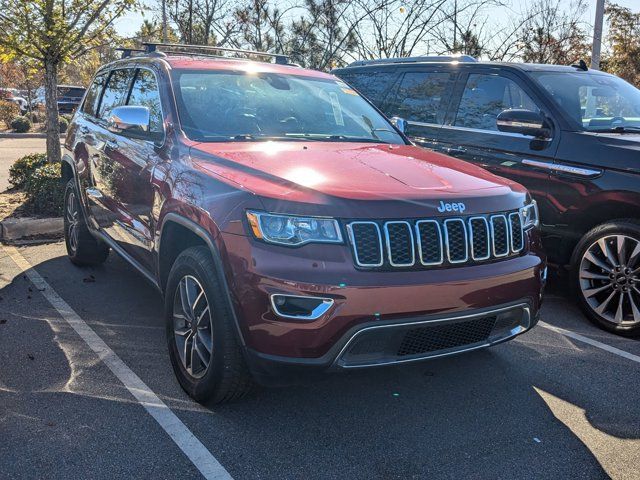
595, 101
219, 106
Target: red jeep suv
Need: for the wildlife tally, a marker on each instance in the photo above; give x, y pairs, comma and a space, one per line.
289, 225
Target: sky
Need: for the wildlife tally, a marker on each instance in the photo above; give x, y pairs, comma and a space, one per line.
129, 24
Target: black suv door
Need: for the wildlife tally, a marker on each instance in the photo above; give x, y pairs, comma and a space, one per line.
470, 131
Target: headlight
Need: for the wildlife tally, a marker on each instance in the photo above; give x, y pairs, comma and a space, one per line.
290, 230
529, 215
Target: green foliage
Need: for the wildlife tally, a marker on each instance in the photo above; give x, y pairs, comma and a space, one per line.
37, 116
64, 124
21, 124
45, 191
8, 111
23, 168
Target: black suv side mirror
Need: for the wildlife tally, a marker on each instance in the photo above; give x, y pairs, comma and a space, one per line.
524, 122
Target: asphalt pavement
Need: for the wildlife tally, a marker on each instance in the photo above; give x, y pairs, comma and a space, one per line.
546, 405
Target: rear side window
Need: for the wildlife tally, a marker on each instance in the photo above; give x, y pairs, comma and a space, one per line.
93, 95
372, 85
115, 94
423, 97
145, 93
485, 97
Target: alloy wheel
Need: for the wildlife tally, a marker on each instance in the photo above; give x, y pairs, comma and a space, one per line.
72, 215
193, 326
609, 279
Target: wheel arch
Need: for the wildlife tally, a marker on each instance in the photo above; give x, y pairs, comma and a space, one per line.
178, 233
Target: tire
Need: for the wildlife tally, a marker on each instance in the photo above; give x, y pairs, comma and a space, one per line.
82, 247
605, 276
207, 359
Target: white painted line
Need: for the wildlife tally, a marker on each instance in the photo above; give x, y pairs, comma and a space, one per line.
204, 461
593, 343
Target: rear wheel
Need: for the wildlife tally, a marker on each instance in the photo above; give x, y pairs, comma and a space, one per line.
606, 276
203, 345
82, 247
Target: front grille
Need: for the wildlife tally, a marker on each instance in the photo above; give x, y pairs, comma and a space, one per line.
435, 242
444, 337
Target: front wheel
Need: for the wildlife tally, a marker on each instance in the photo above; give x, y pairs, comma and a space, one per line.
203, 345
606, 276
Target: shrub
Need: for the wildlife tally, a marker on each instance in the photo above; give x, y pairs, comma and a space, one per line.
45, 191
24, 167
64, 124
37, 116
8, 111
67, 117
21, 124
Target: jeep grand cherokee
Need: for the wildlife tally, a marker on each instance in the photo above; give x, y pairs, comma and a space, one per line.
291, 228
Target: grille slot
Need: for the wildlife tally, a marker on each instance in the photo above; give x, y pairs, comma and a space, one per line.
500, 235
443, 337
479, 231
456, 241
367, 243
429, 239
399, 241
515, 230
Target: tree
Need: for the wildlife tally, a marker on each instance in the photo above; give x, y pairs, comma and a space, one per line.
623, 41
203, 22
52, 32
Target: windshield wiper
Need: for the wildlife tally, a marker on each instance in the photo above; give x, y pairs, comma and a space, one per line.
327, 136
619, 129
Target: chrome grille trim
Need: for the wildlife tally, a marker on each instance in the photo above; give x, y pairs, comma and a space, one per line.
516, 248
446, 239
488, 234
507, 242
440, 244
355, 247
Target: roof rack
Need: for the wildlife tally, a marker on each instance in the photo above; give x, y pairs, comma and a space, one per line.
128, 52
425, 59
186, 49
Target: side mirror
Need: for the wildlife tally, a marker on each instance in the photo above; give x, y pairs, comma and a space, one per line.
524, 122
129, 119
399, 123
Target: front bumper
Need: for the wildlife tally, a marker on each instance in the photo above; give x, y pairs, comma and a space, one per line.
363, 300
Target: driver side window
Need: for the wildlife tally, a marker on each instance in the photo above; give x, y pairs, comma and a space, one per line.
485, 97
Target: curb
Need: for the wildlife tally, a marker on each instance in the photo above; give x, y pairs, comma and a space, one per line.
25, 135
13, 229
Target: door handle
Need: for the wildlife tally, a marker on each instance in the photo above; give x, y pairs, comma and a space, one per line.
93, 193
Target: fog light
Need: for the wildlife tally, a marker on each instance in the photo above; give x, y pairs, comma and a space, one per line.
300, 307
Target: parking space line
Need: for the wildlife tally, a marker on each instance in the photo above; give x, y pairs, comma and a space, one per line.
593, 343
203, 460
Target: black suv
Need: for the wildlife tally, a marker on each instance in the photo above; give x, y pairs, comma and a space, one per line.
569, 134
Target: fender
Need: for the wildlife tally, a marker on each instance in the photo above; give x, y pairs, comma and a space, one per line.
215, 255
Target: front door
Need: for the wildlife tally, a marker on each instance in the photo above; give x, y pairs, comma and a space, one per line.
471, 133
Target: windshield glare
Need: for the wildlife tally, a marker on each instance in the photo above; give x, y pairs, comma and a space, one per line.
231, 106
594, 101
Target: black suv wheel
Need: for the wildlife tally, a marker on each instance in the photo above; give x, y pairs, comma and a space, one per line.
606, 276
203, 345
82, 247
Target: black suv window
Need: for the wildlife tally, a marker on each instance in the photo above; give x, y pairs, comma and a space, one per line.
93, 95
423, 97
370, 84
115, 94
485, 96
145, 93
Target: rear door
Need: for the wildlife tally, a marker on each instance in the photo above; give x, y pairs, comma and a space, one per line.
470, 131
421, 97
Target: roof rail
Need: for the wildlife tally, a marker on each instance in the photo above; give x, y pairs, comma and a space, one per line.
425, 59
186, 49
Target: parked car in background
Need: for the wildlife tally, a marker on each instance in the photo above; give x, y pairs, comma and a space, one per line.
69, 97
569, 134
13, 95
291, 228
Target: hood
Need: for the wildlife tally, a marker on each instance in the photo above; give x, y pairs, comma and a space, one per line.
618, 151
320, 177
